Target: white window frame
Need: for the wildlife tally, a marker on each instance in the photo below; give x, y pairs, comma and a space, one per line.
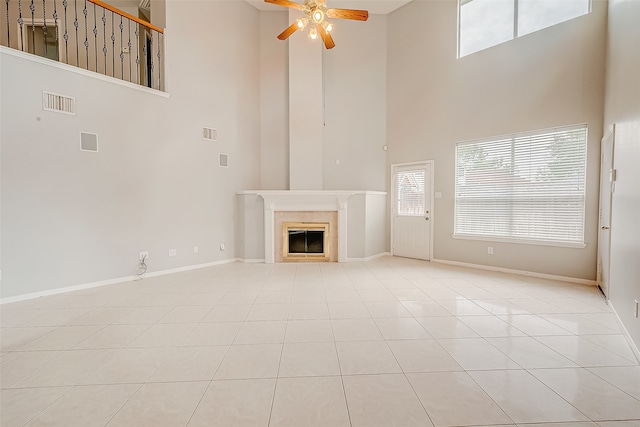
515, 24
488, 237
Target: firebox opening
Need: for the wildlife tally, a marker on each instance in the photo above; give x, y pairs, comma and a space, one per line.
306, 241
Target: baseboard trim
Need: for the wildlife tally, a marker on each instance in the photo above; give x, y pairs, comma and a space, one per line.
65, 289
519, 272
190, 267
627, 335
250, 260
369, 258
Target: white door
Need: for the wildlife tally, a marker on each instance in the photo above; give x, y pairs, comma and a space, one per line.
411, 210
607, 187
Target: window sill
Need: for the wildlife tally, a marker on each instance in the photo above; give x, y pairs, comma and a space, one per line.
520, 241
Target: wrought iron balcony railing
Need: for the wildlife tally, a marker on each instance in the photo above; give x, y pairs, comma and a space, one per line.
88, 34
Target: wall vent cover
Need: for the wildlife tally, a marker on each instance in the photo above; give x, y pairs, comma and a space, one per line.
224, 160
209, 134
88, 141
58, 103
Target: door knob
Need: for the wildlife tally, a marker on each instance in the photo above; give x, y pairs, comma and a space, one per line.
604, 227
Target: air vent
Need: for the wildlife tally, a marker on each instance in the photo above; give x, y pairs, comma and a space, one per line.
145, 4
58, 103
223, 160
209, 134
88, 141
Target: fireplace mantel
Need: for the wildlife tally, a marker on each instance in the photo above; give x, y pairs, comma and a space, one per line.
305, 201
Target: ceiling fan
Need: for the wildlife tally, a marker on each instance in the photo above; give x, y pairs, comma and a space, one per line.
316, 14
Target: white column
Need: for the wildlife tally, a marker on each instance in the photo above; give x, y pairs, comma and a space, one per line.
306, 121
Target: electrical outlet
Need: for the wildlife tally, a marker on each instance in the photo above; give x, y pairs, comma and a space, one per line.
490, 250
222, 248
172, 252
143, 254
195, 249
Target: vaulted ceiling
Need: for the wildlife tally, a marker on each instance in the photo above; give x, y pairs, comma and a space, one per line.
380, 7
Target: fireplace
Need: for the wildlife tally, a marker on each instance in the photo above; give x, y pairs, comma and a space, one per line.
305, 241
263, 212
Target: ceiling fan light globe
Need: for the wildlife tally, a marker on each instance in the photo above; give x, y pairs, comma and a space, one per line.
301, 23
327, 26
313, 33
317, 16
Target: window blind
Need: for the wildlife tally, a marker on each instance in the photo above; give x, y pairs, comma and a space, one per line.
526, 187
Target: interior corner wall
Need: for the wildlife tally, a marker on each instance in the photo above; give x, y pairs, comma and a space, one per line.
622, 108
549, 78
71, 217
274, 102
158, 13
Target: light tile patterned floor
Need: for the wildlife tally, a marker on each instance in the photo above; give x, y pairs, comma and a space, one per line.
391, 342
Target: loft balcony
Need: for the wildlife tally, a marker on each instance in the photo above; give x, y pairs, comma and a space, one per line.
88, 34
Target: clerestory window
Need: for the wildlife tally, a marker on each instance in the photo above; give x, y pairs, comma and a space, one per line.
486, 23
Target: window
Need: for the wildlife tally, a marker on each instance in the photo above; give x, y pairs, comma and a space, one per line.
410, 193
523, 187
486, 23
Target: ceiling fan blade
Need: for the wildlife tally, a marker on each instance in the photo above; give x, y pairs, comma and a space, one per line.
357, 15
326, 37
286, 3
286, 33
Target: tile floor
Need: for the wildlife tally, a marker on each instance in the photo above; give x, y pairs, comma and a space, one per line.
391, 342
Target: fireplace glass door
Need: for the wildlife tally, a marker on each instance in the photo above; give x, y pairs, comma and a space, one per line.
305, 241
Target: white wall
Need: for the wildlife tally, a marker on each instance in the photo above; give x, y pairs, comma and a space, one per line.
72, 217
305, 111
549, 78
376, 221
274, 105
354, 84
622, 107
250, 227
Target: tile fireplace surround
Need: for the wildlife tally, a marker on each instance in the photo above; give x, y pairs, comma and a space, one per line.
319, 218
358, 221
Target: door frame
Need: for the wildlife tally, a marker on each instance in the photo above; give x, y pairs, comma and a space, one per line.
605, 176
392, 201
23, 35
